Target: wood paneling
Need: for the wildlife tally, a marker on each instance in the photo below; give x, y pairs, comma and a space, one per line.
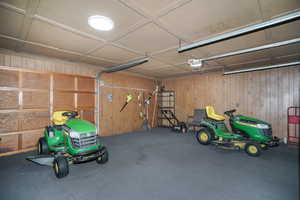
8, 143
88, 115
86, 84
9, 78
36, 80
36, 99
29, 139
47, 64
265, 95
26, 103
63, 100
8, 122
63, 82
9, 100
112, 121
86, 100
106, 114
34, 120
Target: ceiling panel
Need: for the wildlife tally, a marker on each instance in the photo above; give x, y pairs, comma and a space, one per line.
152, 7
190, 72
141, 71
173, 57
286, 50
115, 53
242, 58
170, 71
7, 43
272, 8
75, 13
152, 65
249, 65
234, 44
206, 66
184, 67
49, 52
10, 22
99, 62
289, 58
17, 3
212, 68
286, 31
202, 18
51, 35
149, 38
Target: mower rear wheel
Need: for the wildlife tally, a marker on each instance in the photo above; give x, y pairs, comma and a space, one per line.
253, 149
104, 158
43, 148
204, 136
61, 167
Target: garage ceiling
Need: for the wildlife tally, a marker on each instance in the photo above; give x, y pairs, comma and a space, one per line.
154, 28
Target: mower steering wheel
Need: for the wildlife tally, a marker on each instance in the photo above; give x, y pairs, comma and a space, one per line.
70, 114
229, 112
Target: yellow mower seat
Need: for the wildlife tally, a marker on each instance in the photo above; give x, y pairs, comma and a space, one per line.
58, 118
210, 111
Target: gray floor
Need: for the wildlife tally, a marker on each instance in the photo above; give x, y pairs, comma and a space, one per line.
158, 165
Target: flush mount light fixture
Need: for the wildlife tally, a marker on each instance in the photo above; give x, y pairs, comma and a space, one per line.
101, 23
195, 64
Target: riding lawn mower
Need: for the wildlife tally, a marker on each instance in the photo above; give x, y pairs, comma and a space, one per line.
249, 134
69, 141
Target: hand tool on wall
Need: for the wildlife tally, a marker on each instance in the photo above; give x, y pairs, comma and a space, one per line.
128, 99
155, 106
141, 105
146, 125
147, 102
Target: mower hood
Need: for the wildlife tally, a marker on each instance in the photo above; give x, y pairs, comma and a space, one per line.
250, 120
81, 126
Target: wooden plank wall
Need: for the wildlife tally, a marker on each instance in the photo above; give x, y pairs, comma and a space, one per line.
28, 98
265, 95
47, 64
112, 121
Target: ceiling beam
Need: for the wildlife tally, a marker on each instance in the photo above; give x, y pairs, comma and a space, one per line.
248, 29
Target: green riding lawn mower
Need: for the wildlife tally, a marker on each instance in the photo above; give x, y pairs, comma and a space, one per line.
69, 141
249, 134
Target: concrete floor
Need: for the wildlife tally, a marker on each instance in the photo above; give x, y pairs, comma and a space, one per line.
158, 165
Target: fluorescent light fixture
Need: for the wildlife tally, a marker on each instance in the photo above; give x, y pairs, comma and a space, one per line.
100, 23
127, 65
248, 29
263, 68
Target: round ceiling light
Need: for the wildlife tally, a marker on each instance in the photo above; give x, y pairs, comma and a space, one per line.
101, 23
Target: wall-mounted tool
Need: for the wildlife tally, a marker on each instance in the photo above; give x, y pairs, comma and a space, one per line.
128, 99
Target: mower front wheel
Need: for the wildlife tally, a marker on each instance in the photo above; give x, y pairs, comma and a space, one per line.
43, 148
253, 149
61, 167
103, 158
204, 136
